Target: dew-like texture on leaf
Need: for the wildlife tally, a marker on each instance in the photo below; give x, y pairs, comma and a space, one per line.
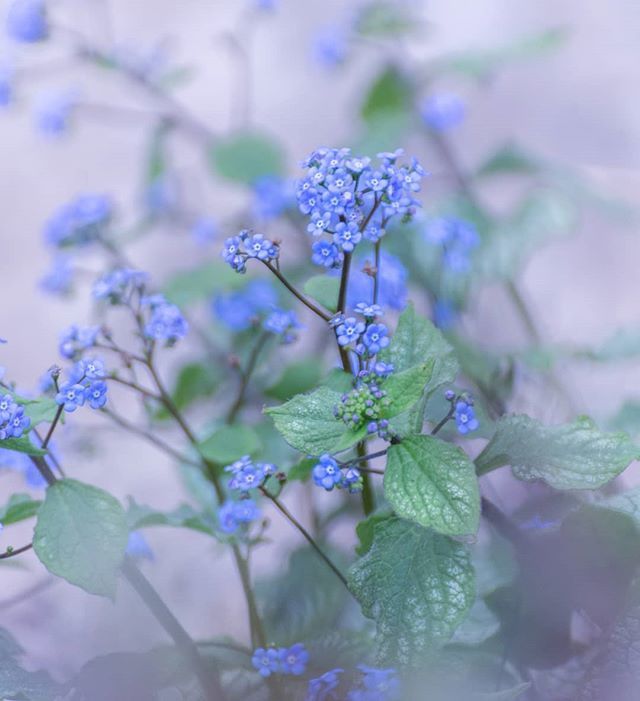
417, 341
417, 585
81, 535
434, 484
17, 683
405, 388
307, 423
615, 672
570, 456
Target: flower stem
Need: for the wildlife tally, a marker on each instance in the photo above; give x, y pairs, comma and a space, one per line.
296, 293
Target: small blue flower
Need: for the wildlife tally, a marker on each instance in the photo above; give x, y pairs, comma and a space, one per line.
323, 688
27, 21
267, 662
282, 323
261, 248
331, 46
326, 254
443, 111
71, 396
204, 231
138, 547
18, 423
368, 311
53, 112
233, 513
465, 417
80, 222
246, 476
347, 236
117, 286
383, 369
272, 196
76, 339
377, 685
96, 394
6, 85
375, 338
326, 473
59, 279
293, 660
349, 331
166, 322
92, 368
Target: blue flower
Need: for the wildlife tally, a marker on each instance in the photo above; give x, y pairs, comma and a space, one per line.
267, 662
71, 396
377, 685
76, 339
383, 369
79, 222
27, 21
117, 286
331, 46
323, 688
204, 231
465, 417
53, 112
375, 338
293, 660
347, 236
6, 86
21, 463
96, 394
17, 423
393, 278
445, 314
138, 547
272, 196
326, 473
246, 476
351, 479
349, 331
326, 254
166, 322
59, 279
91, 368
368, 311
442, 111
233, 513
257, 246
282, 323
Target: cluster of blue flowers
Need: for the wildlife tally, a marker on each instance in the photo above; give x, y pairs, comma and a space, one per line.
233, 514
328, 474
366, 337
119, 285
85, 384
165, 320
284, 660
374, 685
245, 475
27, 21
74, 340
347, 199
79, 222
247, 244
457, 239
13, 421
442, 111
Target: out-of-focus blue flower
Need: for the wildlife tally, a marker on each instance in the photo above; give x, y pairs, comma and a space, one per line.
27, 21
392, 290
445, 314
117, 285
161, 196
331, 46
283, 323
79, 222
59, 279
6, 85
234, 513
166, 322
53, 112
238, 310
267, 5
204, 231
75, 339
272, 196
377, 685
138, 547
21, 463
457, 238
442, 111
324, 688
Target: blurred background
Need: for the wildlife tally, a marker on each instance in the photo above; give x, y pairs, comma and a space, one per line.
558, 80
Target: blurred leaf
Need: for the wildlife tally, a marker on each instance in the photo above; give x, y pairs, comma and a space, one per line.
22, 445
298, 377
194, 381
433, 483
509, 159
494, 564
247, 157
479, 64
383, 133
19, 508
365, 530
308, 424
198, 284
17, 683
505, 695
391, 94
301, 471
185, 516
622, 345
569, 456
156, 160
324, 289
541, 217
627, 419
81, 535
338, 380
384, 18
480, 624
198, 486
417, 585
229, 443
302, 602
9, 646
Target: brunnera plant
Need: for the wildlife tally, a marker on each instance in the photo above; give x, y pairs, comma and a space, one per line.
340, 385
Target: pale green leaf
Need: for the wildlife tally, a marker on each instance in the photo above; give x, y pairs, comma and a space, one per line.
324, 289
19, 508
298, 377
228, 443
246, 157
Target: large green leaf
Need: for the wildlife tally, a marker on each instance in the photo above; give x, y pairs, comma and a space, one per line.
508, 160
434, 484
418, 587
405, 388
417, 341
307, 423
19, 508
22, 445
246, 157
569, 456
81, 535
229, 443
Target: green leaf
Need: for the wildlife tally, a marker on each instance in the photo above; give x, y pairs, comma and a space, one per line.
622, 345
480, 624
301, 376
185, 516
39, 410
200, 283
570, 456
508, 160
246, 157
434, 484
540, 217
229, 443
308, 424
301, 471
194, 381
405, 388
19, 508
418, 587
17, 683
417, 341
81, 535
392, 93
365, 530
324, 289
383, 19
22, 445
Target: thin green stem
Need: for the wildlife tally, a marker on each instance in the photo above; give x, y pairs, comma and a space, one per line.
52, 428
443, 421
376, 277
368, 496
12, 552
296, 293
